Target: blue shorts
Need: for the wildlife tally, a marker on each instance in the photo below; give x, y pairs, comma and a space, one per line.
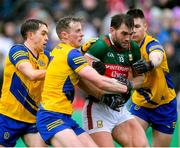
49, 123
11, 130
162, 118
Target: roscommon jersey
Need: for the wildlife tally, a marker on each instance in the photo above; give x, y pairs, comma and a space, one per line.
157, 88
61, 78
22, 94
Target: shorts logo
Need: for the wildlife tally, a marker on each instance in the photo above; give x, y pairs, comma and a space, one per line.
6, 135
54, 124
99, 123
174, 124
136, 107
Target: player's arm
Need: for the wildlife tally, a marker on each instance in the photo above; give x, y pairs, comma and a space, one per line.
156, 55
102, 82
90, 88
114, 101
18, 56
136, 79
31, 73
79, 64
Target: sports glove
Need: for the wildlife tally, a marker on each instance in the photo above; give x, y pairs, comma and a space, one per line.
114, 101
142, 66
99, 67
126, 82
85, 47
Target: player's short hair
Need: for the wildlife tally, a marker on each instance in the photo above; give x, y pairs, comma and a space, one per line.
119, 19
63, 23
31, 25
136, 13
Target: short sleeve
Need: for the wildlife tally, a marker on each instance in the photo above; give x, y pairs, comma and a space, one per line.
18, 53
76, 60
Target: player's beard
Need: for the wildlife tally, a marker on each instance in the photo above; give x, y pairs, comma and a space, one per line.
117, 43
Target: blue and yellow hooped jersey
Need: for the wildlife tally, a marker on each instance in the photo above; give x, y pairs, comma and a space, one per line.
157, 88
61, 77
20, 96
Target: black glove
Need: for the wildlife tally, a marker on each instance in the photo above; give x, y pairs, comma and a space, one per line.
114, 101
99, 67
142, 66
126, 82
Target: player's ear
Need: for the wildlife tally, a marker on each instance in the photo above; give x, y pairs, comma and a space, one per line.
145, 26
30, 34
111, 30
64, 34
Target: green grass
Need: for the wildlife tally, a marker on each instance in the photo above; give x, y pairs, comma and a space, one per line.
77, 117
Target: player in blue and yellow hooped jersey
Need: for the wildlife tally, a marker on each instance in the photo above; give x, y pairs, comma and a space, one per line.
54, 120
24, 71
155, 102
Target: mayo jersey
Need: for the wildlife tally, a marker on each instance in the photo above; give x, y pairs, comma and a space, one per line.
20, 96
157, 88
61, 77
117, 61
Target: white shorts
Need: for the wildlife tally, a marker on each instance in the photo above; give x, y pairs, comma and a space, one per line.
99, 117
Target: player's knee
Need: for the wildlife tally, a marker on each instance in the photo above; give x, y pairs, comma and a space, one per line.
140, 142
36, 144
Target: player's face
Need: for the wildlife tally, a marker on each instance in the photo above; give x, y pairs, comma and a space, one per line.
121, 36
140, 28
75, 34
40, 38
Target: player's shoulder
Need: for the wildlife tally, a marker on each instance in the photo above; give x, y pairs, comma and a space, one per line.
134, 45
18, 47
104, 40
102, 43
151, 40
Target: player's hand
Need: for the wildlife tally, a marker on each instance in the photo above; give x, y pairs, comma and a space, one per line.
85, 47
114, 101
142, 66
126, 82
99, 67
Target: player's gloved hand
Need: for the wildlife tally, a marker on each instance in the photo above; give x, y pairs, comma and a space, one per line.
114, 101
142, 66
85, 47
99, 67
126, 82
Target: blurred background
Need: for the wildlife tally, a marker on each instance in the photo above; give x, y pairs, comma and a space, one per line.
163, 18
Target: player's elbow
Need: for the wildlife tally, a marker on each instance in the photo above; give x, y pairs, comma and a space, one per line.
36, 75
32, 77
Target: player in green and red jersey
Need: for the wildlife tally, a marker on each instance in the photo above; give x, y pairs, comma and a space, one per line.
118, 53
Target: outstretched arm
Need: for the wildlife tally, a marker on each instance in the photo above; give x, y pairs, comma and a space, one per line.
155, 59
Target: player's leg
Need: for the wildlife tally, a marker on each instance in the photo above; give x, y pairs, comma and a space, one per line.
163, 123
129, 132
99, 136
10, 131
160, 139
66, 138
98, 122
59, 129
34, 140
87, 140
